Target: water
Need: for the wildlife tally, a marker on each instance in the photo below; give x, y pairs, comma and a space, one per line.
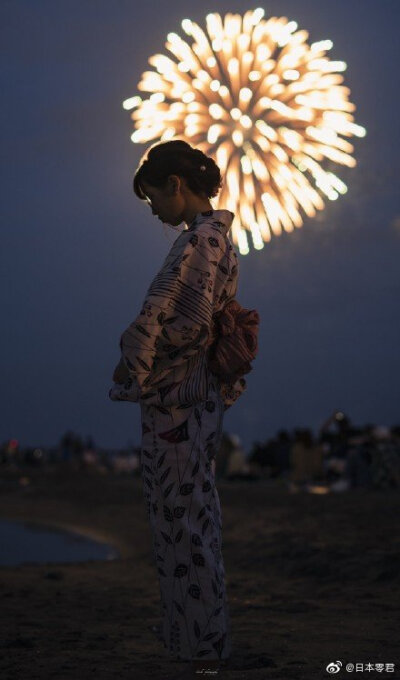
27, 542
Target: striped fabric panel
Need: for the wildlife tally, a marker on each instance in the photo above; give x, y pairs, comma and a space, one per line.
163, 283
193, 303
194, 387
182, 298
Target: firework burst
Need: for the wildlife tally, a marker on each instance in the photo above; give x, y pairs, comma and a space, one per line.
269, 107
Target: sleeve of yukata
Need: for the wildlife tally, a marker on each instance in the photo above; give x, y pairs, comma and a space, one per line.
175, 318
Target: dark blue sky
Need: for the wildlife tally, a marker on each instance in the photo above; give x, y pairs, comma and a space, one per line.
79, 250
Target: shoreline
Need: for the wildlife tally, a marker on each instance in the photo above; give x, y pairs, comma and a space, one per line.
310, 579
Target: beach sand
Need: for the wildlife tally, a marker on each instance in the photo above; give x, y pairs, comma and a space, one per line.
311, 579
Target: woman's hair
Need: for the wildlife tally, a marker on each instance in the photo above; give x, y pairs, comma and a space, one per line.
177, 157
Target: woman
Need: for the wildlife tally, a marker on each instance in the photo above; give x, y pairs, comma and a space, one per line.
164, 368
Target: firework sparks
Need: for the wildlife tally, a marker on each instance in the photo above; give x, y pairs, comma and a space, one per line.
269, 107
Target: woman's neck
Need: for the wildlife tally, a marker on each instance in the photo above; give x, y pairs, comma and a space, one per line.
190, 213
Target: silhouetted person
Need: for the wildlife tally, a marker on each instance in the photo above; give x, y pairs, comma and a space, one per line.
306, 458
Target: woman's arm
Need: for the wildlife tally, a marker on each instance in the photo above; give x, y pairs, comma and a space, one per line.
175, 319
127, 391
125, 387
121, 372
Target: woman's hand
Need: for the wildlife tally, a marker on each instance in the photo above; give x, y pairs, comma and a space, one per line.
121, 373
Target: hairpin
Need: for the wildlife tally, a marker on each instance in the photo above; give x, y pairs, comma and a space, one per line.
202, 167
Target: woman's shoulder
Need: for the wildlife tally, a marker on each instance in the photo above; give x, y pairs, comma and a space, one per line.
210, 243
209, 232
209, 237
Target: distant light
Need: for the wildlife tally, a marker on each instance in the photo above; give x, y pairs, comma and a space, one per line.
268, 105
188, 97
216, 111
245, 94
131, 102
246, 122
187, 26
235, 113
257, 15
157, 97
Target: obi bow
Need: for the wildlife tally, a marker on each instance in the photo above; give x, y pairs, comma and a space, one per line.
233, 341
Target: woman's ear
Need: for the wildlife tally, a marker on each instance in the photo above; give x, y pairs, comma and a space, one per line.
174, 183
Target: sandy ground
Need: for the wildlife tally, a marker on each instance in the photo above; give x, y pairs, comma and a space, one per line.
311, 579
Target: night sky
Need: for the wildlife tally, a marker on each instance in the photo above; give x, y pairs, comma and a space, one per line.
79, 250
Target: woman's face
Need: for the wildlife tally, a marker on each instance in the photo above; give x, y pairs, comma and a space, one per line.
166, 202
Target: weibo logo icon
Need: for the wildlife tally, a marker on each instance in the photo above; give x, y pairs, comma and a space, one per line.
334, 667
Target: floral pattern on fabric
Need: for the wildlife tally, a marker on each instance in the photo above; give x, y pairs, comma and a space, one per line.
165, 347
179, 444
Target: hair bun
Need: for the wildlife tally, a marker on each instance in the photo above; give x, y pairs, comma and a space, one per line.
174, 145
177, 156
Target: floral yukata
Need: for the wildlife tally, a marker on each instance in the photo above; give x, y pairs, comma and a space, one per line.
182, 406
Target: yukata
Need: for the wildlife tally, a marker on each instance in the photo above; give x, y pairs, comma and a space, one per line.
182, 406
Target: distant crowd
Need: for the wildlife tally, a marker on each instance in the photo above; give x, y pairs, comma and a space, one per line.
340, 457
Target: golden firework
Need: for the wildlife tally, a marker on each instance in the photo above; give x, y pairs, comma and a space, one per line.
268, 106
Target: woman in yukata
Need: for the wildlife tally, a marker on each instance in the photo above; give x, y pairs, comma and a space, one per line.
164, 368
